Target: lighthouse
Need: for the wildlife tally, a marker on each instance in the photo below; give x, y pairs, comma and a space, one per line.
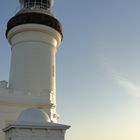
34, 34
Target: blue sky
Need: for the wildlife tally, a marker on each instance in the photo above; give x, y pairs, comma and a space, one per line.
98, 70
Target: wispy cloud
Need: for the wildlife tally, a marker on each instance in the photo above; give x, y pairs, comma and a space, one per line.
121, 80
129, 85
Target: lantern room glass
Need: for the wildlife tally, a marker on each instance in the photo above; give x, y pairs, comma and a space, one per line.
41, 4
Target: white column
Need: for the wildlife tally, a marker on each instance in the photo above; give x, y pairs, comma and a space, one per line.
33, 58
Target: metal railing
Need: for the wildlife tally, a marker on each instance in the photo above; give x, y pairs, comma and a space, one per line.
35, 4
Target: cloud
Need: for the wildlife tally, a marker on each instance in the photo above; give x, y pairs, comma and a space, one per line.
121, 80
129, 85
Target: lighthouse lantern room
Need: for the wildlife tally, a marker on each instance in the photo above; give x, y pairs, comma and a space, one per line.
44, 6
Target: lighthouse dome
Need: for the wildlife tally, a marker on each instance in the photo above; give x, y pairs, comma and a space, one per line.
33, 115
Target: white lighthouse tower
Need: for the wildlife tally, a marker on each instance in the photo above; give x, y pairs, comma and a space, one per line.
34, 35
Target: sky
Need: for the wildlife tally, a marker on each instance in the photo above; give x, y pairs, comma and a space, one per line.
98, 69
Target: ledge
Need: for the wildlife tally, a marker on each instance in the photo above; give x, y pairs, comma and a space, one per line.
48, 126
9, 97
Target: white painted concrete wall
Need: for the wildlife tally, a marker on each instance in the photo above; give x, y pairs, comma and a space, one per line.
32, 133
33, 61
